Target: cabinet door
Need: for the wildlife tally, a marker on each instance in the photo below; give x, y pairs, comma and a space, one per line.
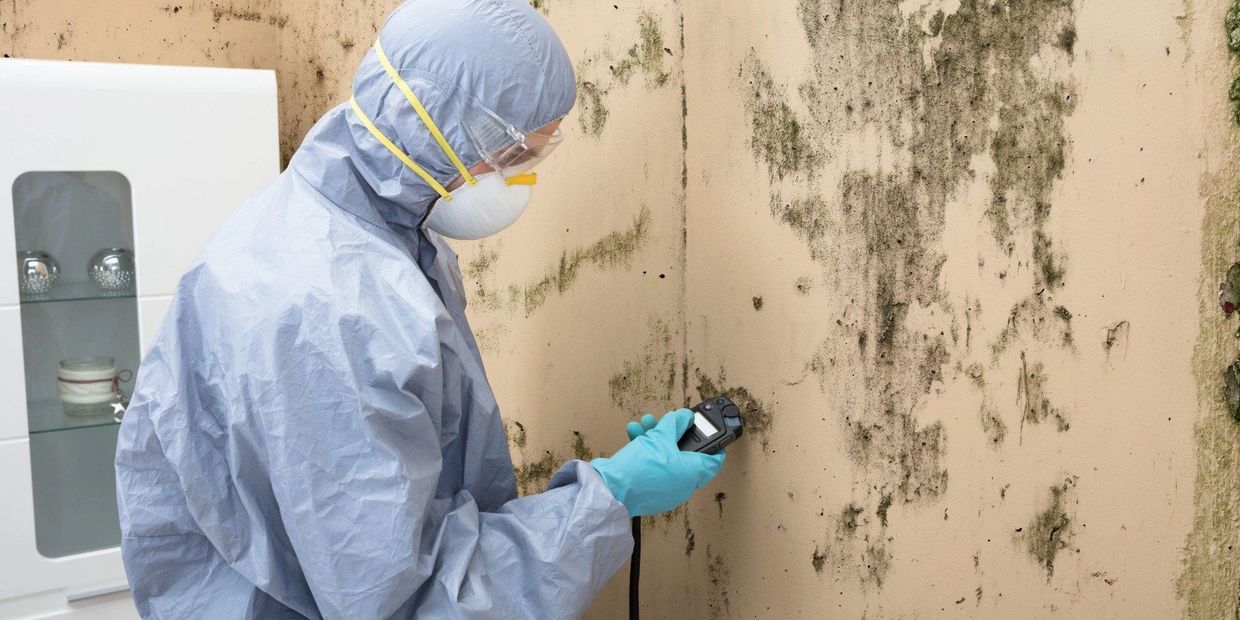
111, 178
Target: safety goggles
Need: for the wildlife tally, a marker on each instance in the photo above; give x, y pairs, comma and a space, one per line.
503, 147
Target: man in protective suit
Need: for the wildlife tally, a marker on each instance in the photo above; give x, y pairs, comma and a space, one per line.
312, 433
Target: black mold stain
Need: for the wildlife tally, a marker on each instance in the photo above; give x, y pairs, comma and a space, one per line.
221, 13
818, 560
720, 580
516, 434
592, 108
650, 378
807, 217
1035, 319
884, 505
1032, 393
532, 477
479, 271
804, 285
613, 251
757, 303
581, 451
756, 414
993, 425
779, 138
719, 499
690, 541
645, 56
1051, 529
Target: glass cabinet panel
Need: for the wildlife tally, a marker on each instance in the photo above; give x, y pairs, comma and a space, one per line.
80, 347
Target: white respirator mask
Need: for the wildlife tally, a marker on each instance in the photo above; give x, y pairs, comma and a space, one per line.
489, 202
488, 206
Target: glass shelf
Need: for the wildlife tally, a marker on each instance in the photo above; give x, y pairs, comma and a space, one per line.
49, 416
76, 291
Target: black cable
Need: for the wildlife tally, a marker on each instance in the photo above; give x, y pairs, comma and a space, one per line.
635, 569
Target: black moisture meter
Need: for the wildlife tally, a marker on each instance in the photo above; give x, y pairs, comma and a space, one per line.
716, 423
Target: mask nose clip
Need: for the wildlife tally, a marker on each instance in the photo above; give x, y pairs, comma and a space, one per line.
529, 178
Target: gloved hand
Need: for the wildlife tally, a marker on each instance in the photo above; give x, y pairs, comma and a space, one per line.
636, 429
651, 474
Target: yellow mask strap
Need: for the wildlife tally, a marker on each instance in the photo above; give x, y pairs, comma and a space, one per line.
422, 113
430, 180
528, 178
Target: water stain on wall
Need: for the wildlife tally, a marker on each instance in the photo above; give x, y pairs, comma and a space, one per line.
944, 88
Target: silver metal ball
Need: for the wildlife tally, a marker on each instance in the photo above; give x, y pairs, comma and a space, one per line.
112, 269
37, 273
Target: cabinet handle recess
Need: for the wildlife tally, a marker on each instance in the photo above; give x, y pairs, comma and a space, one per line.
96, 591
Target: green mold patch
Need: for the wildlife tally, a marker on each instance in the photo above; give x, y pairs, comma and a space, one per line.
809, 218
779, 138
1052, 527
757, 415
614, 251
649, 380
515, 431
942, 90
581, 451
646, 56
533, 476
592, 109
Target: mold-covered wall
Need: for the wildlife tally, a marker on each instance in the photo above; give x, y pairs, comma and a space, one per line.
957, 259
952, 248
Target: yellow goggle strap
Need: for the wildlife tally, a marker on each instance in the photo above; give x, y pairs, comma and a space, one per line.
423, 114
430, 180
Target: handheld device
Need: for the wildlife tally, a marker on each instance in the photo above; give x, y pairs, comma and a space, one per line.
716, 423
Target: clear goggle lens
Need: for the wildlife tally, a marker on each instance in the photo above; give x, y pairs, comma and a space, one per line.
505, 148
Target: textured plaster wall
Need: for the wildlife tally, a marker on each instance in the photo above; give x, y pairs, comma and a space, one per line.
956, 258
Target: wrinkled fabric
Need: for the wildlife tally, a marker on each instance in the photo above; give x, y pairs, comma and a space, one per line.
312, 433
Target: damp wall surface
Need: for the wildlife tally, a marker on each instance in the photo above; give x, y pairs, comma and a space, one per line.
957, 259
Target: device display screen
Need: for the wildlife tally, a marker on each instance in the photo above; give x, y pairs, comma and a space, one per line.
704, 425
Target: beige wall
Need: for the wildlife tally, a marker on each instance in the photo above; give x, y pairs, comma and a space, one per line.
959, 262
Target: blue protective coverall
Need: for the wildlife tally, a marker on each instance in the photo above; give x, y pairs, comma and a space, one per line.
312, 432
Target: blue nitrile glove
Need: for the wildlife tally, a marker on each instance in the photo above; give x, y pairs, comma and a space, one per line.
651, 474
636, 429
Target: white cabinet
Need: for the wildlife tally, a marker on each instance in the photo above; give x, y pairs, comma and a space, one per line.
116, 175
